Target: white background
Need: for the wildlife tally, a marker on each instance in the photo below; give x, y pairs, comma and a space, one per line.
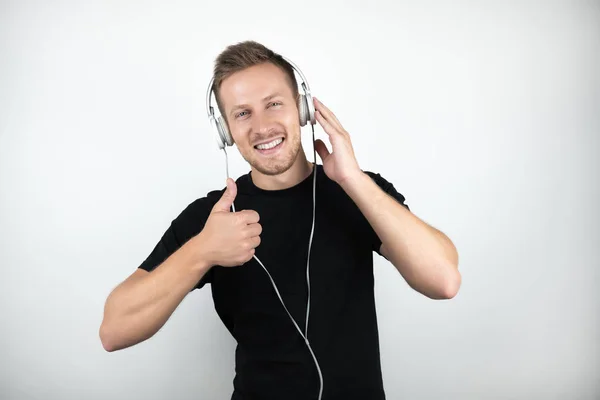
485, 115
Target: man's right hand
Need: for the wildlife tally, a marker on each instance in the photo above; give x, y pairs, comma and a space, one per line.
229, 239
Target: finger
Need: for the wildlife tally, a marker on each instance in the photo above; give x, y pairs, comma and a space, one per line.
249, 216
255, 241
251, 243
253, 229
321, 149
327, 127
227, 198
328, 114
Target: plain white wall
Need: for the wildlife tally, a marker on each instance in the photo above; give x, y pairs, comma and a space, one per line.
486, 116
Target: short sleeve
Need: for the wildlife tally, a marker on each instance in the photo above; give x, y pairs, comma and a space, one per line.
388, 188
185, 226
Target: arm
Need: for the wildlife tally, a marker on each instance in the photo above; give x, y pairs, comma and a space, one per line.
137, 308
423, 255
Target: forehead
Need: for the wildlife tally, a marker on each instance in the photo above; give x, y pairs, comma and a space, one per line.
253, 84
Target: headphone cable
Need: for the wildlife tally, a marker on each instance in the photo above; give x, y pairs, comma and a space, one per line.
305, 334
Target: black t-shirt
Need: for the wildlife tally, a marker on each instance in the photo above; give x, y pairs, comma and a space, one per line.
272, 360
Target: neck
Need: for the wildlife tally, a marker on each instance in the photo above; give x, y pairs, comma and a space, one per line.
299, 171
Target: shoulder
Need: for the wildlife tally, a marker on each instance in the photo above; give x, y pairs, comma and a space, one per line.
198, 209
379, 180
387, 186
192, 218
201, 207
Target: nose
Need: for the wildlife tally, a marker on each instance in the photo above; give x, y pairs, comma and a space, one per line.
261, 123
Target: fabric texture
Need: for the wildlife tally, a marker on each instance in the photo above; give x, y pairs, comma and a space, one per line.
272, 360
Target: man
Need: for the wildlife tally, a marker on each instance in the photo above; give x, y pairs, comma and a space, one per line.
357, 212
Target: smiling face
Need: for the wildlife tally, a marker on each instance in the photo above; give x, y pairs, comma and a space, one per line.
261, 111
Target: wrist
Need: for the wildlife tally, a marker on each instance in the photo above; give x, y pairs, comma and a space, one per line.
354, 182
199, 256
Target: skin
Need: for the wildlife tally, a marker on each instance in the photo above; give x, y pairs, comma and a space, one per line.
260, 106
139, 306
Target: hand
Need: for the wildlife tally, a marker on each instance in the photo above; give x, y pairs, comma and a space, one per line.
229, 239
339, 165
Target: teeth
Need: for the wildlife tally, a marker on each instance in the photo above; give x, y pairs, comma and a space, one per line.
269, 145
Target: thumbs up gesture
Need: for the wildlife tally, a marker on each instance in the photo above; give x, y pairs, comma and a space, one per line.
229, 239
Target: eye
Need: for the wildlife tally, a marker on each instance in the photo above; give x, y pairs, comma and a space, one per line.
275, 103
240, 114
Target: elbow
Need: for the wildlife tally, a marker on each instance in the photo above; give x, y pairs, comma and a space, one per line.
452, 284
110, 339
105, 338
114, 337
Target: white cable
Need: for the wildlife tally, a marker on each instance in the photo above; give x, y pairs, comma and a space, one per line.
227, 170
312, 230
304, 335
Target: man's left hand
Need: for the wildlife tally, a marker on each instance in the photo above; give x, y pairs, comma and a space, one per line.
340, 165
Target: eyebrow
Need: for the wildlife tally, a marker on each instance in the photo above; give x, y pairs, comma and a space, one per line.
266, 98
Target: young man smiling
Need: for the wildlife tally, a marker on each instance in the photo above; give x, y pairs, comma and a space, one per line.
357, 213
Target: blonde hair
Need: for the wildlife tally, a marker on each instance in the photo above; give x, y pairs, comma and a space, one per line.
247, 54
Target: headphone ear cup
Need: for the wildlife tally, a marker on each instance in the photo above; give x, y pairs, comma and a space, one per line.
303, 110
224, 132
216, 131
310, 109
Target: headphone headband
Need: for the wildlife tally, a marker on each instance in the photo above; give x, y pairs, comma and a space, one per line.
209, 91
304, 81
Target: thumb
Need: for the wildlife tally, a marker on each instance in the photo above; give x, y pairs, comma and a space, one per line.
321, 149
227, 198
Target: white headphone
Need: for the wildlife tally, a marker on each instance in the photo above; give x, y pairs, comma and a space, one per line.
306, 110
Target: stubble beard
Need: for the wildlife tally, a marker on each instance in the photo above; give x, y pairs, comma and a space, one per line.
281, 163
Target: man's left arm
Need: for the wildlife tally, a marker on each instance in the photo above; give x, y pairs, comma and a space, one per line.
425, 257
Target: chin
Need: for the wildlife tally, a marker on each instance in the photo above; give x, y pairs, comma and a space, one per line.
272, 167
276, 165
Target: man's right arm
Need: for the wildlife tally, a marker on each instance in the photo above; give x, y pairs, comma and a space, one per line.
138, 307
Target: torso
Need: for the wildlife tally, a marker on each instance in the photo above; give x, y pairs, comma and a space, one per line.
272, 360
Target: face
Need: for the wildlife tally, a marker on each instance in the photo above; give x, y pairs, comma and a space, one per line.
262, 115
